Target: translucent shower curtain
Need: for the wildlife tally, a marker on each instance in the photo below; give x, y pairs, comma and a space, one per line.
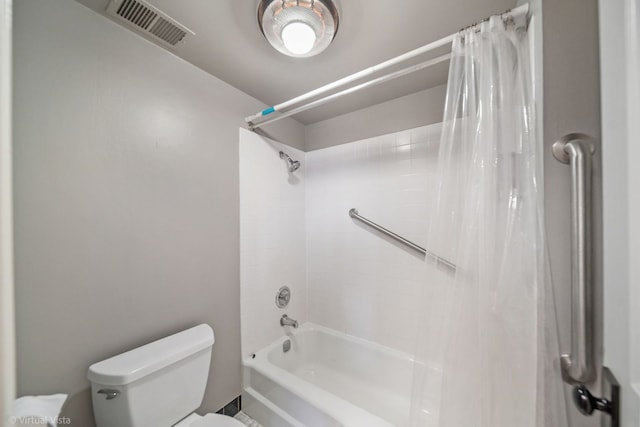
487, 354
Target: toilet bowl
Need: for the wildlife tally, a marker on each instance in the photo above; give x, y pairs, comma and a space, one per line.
159, 384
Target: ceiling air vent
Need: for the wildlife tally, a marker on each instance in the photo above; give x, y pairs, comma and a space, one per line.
149, 20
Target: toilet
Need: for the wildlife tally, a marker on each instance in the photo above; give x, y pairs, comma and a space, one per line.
160, 384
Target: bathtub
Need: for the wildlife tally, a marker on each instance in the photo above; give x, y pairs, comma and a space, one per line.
327, 379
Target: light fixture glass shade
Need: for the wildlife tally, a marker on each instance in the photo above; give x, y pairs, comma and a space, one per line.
298, 28
298, 38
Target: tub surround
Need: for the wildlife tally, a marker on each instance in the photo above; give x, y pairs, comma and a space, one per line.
358, 279
295, 231
272, 238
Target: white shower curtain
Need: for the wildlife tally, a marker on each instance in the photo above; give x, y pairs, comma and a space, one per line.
487, 353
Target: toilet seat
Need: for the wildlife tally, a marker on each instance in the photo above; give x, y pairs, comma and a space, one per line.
217, 420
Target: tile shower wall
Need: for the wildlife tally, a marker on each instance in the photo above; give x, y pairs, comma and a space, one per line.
272, 239
359, 281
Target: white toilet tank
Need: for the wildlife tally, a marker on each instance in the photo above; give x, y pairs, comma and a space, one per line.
156, 385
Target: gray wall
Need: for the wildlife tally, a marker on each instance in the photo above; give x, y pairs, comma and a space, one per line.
571, 104
418, 109
126, 200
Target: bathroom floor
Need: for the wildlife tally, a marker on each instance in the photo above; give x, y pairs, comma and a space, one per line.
246, 420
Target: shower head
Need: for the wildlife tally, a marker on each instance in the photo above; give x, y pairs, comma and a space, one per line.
292, 165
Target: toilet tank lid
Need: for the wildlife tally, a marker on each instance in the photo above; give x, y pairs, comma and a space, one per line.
128, 367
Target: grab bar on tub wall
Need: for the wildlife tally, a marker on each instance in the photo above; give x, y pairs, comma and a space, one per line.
577, 149
353, 213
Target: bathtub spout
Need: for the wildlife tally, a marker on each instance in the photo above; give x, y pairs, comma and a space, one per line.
287, 321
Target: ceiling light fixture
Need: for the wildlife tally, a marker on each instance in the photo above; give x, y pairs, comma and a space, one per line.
298, 28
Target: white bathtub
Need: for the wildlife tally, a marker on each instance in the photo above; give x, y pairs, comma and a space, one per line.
327, 379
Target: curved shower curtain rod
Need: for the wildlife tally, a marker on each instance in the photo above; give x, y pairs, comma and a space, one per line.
284, 106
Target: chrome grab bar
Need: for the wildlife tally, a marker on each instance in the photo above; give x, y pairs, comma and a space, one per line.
353, 213
577, 149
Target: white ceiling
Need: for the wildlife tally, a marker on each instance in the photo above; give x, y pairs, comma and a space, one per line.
229, 45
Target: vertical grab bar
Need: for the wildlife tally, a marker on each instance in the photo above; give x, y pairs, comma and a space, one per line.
577, 150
